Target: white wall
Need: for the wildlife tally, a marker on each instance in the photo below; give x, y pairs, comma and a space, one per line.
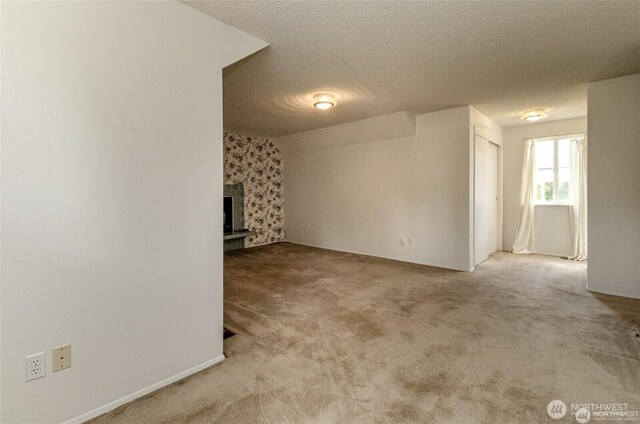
552, 230
614, 186
111, 174
364, 196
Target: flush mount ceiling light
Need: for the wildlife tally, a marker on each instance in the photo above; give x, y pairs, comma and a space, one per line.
323, 101
534, 115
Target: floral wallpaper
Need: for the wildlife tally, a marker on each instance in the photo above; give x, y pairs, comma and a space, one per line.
257, 164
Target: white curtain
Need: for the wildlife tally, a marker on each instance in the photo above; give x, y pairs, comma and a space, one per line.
524, 237
578, 216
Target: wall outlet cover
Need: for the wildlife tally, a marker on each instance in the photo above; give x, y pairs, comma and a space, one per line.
35, 366
61, 357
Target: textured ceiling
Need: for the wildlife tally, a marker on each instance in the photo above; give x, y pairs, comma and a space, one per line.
383, 57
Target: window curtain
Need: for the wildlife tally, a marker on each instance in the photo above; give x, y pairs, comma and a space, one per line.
578, 216
524, 237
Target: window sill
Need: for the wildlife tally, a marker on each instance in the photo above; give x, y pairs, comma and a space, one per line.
553, 204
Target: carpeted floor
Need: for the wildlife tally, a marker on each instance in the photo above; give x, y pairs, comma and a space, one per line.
330, 337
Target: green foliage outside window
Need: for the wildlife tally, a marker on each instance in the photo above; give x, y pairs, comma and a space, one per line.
548, 192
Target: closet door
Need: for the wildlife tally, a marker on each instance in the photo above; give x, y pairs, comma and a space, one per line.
486, 199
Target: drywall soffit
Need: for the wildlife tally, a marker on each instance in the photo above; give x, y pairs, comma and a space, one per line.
383, 127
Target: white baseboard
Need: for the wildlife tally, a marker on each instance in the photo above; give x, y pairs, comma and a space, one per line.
375, 256
557, 255
612, 293
135, 395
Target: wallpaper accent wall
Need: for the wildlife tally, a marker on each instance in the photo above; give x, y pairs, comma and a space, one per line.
257, 164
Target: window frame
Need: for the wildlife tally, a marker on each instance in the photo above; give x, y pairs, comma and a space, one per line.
556, 169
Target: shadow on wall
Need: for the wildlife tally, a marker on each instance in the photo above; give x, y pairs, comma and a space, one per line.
257, 164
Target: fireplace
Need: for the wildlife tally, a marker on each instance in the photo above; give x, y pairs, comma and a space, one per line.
227, 216
233, 218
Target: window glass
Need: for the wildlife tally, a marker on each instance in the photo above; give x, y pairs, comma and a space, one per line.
544, 154
564, 178
552, 182
564, 153
544, 174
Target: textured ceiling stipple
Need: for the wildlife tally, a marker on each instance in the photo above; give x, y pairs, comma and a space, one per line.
384, 57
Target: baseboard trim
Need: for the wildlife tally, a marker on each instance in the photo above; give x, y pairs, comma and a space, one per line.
135, 395
612, 293
557, 255
389, 258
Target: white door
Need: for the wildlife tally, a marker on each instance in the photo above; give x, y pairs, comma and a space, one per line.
486, 199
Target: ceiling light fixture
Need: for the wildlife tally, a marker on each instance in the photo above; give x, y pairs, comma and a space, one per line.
534, 115
323, 101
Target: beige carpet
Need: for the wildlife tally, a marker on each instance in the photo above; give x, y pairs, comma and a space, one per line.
329, 337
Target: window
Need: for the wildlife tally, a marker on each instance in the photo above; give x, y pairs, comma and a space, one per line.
553, 170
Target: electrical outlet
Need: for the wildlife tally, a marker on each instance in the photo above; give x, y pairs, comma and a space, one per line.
61, 357
35, 366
